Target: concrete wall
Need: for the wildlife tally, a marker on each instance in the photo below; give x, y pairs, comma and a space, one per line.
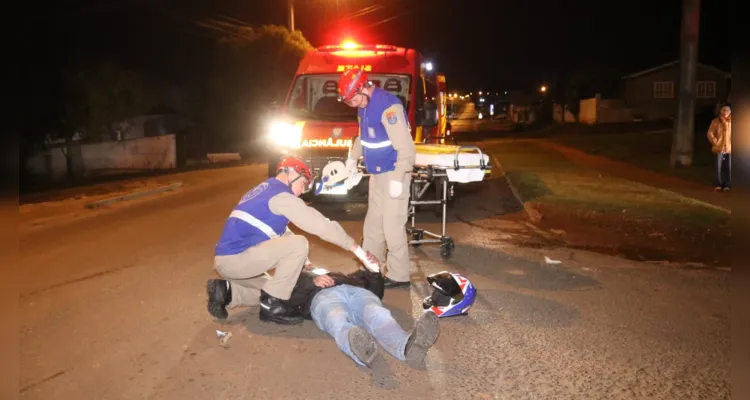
602, 111
557, 114
587, 111
156, 152
147, 153
612, 110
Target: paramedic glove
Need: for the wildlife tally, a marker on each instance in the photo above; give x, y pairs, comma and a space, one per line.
351, 165
397, 188
354, 177
370, 261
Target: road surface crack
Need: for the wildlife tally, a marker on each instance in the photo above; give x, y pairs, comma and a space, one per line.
81, 279
45, 380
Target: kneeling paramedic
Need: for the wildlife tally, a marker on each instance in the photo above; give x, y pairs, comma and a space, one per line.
387, 148
349, 308
256, 238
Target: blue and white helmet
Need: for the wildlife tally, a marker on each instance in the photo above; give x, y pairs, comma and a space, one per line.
453, 294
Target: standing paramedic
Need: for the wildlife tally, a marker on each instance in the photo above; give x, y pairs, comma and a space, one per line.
388, 152
256, 238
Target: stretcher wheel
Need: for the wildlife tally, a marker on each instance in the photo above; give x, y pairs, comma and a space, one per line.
446, 249
416, 236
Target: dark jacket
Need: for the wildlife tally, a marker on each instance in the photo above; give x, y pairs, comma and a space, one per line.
305, 290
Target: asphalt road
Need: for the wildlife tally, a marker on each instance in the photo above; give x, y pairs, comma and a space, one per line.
113, 306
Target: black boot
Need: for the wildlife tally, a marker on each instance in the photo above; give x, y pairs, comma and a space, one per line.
219, 296
273, 309
391, 284
423, 336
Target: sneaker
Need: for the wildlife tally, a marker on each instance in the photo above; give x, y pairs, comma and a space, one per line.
364, 346
423, 336
727, 189
219, 296
718, 189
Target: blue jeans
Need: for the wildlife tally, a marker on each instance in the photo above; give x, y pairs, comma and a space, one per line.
338, 309
724, 170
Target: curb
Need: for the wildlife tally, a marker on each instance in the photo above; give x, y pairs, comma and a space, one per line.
131, 196
534, 215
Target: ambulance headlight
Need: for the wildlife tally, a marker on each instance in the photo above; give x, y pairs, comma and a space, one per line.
284, 134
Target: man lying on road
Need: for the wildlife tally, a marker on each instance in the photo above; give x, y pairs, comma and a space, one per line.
349, 308
256, 238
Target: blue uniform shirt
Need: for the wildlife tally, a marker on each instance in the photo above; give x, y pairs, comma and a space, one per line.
377, 151
252, 221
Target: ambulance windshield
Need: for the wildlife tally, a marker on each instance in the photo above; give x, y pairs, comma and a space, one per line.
314, 97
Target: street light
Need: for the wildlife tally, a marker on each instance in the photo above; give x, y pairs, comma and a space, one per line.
543, 89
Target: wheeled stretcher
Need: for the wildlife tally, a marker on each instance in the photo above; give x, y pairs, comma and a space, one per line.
442, 166
436, 165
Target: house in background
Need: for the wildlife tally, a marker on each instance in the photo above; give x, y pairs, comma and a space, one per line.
653, 93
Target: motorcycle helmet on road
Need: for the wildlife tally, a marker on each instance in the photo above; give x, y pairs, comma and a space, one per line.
452, 294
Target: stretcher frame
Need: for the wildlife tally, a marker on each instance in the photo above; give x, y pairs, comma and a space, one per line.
428, 175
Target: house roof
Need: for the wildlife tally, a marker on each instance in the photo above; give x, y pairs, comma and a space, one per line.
671, 63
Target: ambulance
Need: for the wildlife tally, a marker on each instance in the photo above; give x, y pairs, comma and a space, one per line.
313, 125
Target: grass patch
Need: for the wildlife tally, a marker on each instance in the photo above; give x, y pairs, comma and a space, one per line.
648, 150
546, 177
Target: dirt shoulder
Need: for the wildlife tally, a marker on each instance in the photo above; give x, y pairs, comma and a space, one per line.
592, 206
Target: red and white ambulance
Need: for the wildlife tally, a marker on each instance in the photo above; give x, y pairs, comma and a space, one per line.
313, 125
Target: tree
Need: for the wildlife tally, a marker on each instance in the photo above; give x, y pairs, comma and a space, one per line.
101, 95
251, 68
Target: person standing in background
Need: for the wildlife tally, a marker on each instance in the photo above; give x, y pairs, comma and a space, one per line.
720, 137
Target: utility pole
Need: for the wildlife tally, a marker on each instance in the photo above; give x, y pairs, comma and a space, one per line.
682, 139
291, 15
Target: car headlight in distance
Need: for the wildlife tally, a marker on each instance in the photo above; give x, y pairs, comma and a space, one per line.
284, 134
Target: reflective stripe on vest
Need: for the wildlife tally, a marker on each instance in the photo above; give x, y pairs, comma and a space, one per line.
378, 145
262, 226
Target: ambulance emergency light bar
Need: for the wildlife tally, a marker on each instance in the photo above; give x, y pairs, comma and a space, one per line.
351, 46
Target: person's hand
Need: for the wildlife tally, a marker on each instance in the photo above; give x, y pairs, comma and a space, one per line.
308, 265
351, 165
372, 260
324, 281
354, 175
368, 259
397, 187
353, 180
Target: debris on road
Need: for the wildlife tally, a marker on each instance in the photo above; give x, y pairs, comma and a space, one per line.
550, 261
224, 336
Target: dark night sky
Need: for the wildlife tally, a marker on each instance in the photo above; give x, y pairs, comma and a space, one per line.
494, 44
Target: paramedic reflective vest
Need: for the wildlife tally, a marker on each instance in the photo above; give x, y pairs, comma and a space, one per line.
377, 151
252, 222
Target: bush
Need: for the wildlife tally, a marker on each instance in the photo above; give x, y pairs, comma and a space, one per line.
252, 67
